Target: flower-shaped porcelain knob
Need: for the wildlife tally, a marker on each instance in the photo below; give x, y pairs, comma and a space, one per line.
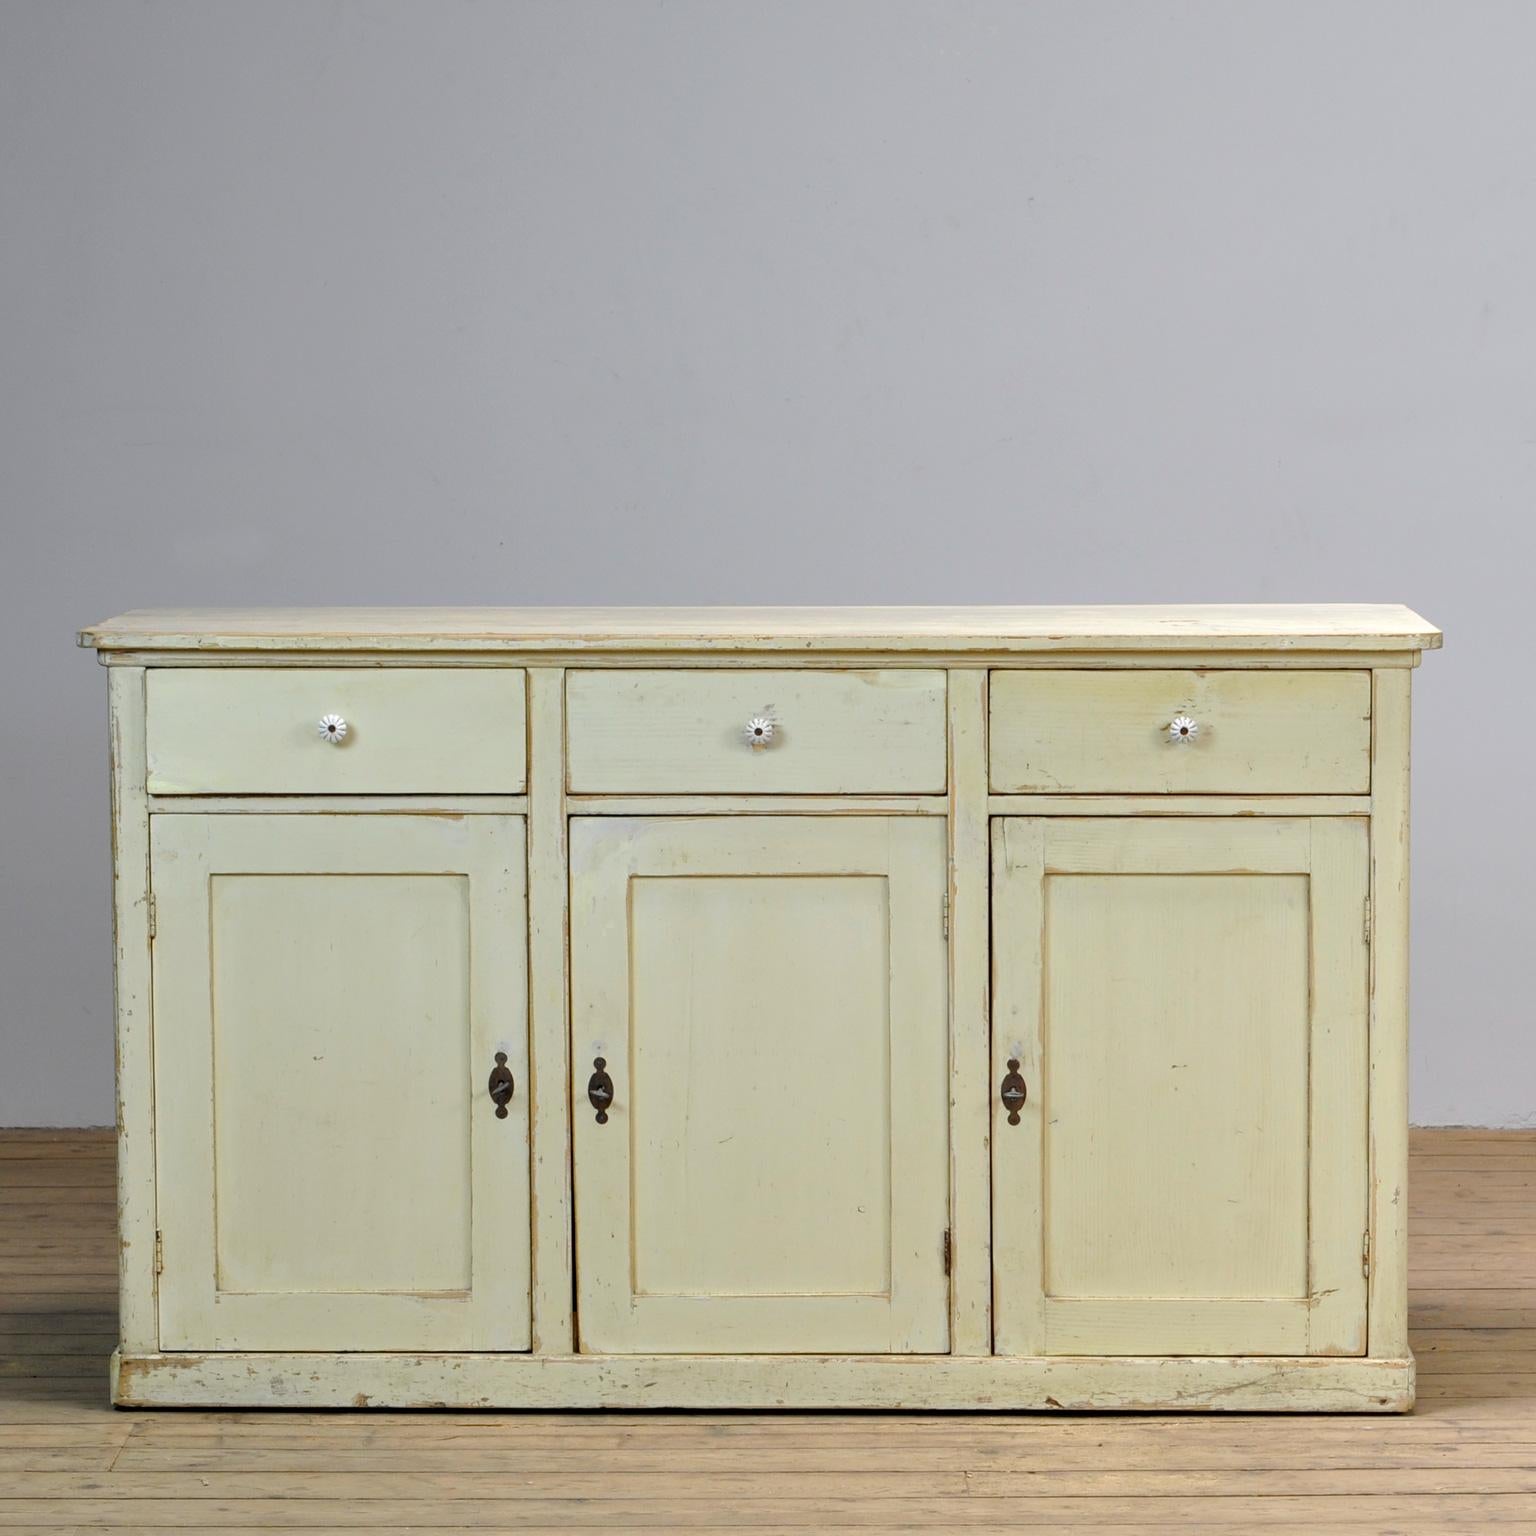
759, 732
333, 729
1182, 730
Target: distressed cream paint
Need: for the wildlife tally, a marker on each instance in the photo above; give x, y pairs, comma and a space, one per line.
806, 968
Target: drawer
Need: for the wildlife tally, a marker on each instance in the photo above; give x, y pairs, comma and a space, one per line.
1108, 732
684, 732
408, 731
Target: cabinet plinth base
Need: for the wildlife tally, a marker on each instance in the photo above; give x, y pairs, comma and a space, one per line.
922, 1382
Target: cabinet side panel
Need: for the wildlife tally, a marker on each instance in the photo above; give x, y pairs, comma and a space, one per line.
131, 974
1388, 1327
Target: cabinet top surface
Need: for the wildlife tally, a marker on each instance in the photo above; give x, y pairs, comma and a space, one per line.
1130, 627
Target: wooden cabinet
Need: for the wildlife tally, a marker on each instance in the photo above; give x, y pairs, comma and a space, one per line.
767, 996
331, 993
989, 1008
1185, 1001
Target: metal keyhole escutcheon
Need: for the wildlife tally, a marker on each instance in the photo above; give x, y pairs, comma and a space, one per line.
501, 1086
600, 1090
1014, 1092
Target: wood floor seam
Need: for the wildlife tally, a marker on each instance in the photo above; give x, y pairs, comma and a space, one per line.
1464, 1461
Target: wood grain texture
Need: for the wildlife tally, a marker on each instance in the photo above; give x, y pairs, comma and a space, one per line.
1252, 626
1065, 732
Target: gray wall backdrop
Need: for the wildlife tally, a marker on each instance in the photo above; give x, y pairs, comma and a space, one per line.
832, 301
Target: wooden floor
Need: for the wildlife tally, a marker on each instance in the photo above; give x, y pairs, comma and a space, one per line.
1466, 1461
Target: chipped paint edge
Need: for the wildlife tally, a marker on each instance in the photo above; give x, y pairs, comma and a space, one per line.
132, 997
930, 1382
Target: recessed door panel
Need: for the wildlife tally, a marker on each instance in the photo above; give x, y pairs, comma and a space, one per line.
733, 1048
317, 1126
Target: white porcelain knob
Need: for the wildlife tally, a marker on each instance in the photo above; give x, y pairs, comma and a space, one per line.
1182, 730
759, 732
333, 729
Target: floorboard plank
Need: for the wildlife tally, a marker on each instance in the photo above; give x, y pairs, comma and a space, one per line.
1465, 1460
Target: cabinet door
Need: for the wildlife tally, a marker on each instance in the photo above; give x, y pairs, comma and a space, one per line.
330, 994
768, 996
1185, 1000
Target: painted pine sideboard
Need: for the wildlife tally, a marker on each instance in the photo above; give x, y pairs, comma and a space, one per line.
930, 1008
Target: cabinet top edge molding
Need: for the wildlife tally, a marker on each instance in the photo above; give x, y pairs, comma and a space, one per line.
997, 630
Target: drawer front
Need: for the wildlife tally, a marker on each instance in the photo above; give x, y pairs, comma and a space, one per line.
407, 731
685, 732
1109, 732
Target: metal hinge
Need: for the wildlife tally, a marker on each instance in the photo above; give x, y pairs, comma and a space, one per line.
946, 914
159, 1253
948, 1250
153, 920
1367, 919
1365, 1253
